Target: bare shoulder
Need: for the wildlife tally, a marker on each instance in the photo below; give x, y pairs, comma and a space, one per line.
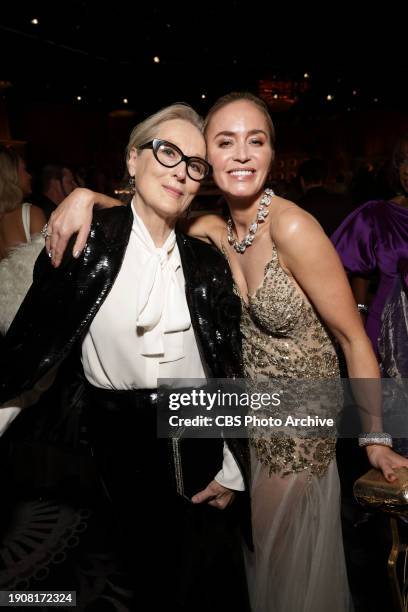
37, 219
207, 227
36, 212
290, 221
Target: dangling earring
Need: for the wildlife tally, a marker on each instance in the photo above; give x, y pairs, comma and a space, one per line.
132, 185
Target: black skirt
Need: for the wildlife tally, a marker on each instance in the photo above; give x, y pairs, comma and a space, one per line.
191, 554
84, 451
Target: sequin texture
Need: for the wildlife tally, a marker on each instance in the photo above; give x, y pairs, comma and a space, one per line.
284, 338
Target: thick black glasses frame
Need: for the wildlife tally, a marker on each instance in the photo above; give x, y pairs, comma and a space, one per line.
156, 143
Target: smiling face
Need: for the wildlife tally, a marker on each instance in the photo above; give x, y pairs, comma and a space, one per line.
166, 192
239, 149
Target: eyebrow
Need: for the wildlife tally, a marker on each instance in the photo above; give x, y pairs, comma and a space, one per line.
250, 133
204, 157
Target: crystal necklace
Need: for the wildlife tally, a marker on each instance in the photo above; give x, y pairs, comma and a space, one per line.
260, 218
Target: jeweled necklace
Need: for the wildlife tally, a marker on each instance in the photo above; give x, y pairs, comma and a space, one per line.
253, 228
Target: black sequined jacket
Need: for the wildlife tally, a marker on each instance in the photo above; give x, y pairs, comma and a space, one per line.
62, 303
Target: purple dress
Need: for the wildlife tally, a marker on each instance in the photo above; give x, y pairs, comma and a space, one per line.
373, 239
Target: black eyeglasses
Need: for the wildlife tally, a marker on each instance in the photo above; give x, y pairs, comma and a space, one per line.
167, 154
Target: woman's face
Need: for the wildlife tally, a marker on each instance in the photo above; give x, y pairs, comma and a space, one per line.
239, 149
24, 178
167, 191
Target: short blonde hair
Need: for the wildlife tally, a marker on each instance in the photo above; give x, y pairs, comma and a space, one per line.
147, 130
11, 194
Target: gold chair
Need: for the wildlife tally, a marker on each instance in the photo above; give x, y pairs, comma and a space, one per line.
374, 492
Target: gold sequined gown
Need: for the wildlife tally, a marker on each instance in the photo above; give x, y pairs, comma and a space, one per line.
298, 564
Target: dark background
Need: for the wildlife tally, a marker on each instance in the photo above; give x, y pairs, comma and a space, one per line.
103, 53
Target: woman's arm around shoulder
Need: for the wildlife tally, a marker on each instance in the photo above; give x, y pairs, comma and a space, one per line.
74, 215
208, 227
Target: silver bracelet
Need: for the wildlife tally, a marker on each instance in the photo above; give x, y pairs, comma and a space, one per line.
362, 308
375, 438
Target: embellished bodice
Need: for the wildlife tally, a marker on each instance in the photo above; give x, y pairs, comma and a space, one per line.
284, 338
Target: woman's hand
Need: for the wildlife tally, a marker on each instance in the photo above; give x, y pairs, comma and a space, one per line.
74, 214
215, 495
385, 459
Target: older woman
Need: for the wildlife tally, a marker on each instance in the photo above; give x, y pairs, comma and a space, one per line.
143, 303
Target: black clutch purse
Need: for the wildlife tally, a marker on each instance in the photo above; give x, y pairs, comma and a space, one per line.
195, 462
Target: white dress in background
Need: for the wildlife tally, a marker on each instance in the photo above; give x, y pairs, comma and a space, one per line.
16, 272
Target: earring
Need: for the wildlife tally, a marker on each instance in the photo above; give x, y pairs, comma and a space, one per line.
132, 185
